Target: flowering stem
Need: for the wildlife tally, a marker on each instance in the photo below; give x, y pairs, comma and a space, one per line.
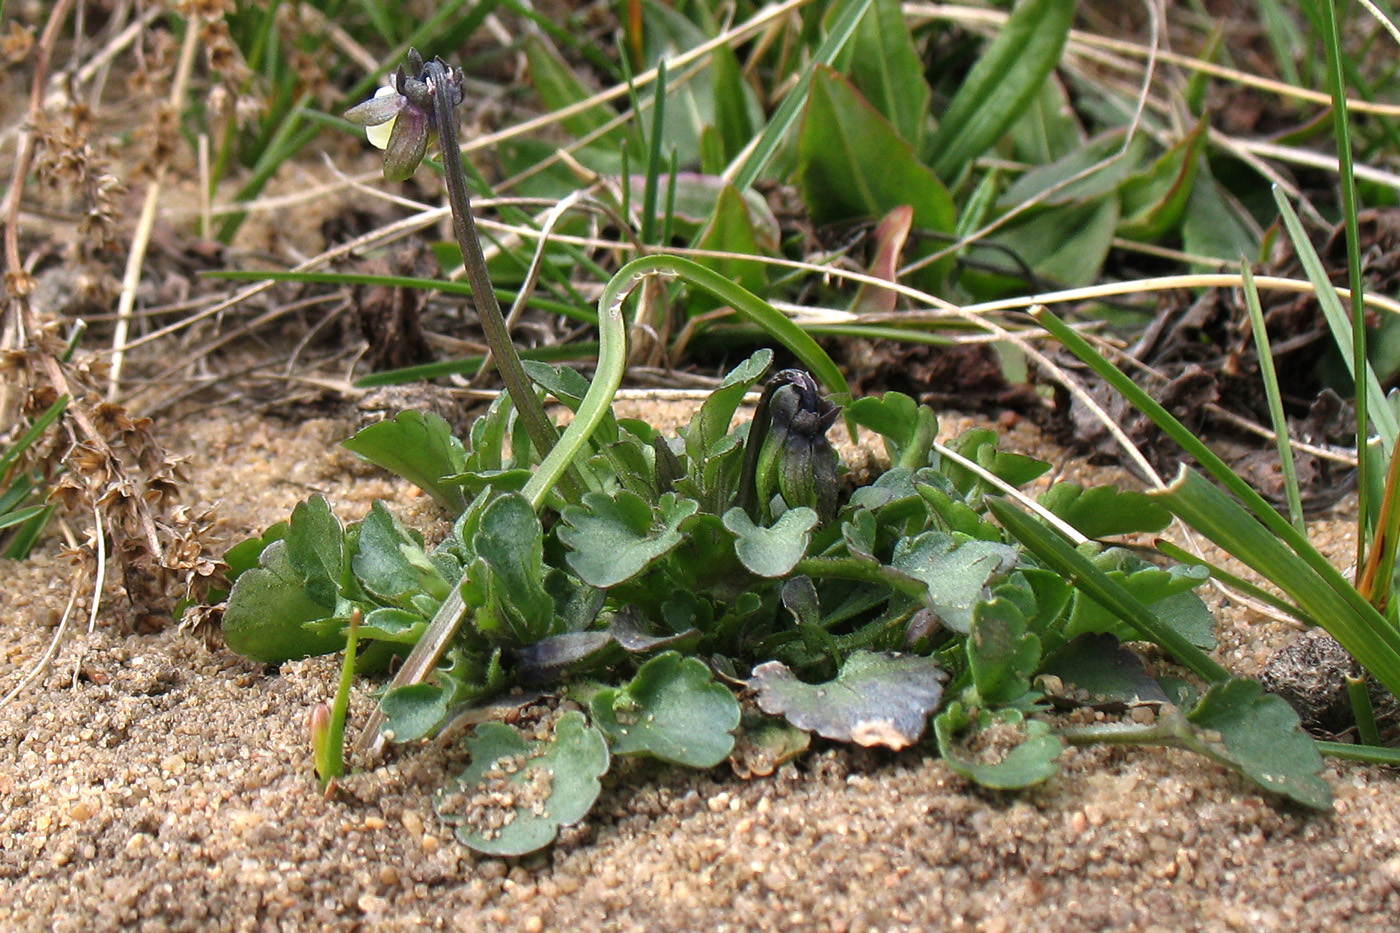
543, 434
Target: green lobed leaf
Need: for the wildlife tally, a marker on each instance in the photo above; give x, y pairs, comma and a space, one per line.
1004, 750
765, 743
413, 711
672, 710
511, 542
517, 792
878, 698
711, 422
1102, 511
1002, 654
1260, 736
957, 572
771, 552
390, 562
1166, 593
1096, 670
614, 538
420, 447
297, 581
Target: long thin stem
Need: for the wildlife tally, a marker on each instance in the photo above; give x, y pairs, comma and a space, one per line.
542, 431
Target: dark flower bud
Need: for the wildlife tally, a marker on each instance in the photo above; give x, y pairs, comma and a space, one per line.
401, 118
796, 458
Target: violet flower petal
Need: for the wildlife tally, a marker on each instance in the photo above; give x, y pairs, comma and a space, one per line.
407, 144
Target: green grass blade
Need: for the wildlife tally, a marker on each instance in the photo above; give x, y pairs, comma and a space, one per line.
395, 281
1169, 425
1337, 85
1057, 554
36, 430
843, 27
650, 190
469, 365
1269, 377
1381, 416
1001, 85
1367, 753
597, 401
1317, 587
1235, 582
776, 324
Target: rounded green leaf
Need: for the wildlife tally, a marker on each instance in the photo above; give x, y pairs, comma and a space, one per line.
878, 698
672, 710
517, 792
771, 552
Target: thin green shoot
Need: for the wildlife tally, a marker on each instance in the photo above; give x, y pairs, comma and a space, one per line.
328, 737
1360, 697
653, 167
1336, 80
1269, 377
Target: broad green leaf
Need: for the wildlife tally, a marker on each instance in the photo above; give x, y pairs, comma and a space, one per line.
853, 165
560, 88
1114, 165
297, 581
420, 447
956, 572
413, 711
516, 793
391, 564
1005, 750
1211, 226
511, 542
672, 710
840, 30
771, 552
885, 68
1258, 735
1048, 129
1065, 245
1103, 511
1002, 85
878, 698
736, 108
1001, 653
731, 230
614, 538
1155, 200
1096, 670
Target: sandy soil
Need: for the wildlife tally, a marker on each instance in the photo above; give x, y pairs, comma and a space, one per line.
170, 788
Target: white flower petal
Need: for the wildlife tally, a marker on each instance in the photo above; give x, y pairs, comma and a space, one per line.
378, 136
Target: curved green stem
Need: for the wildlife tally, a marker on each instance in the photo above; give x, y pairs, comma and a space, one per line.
776, 324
